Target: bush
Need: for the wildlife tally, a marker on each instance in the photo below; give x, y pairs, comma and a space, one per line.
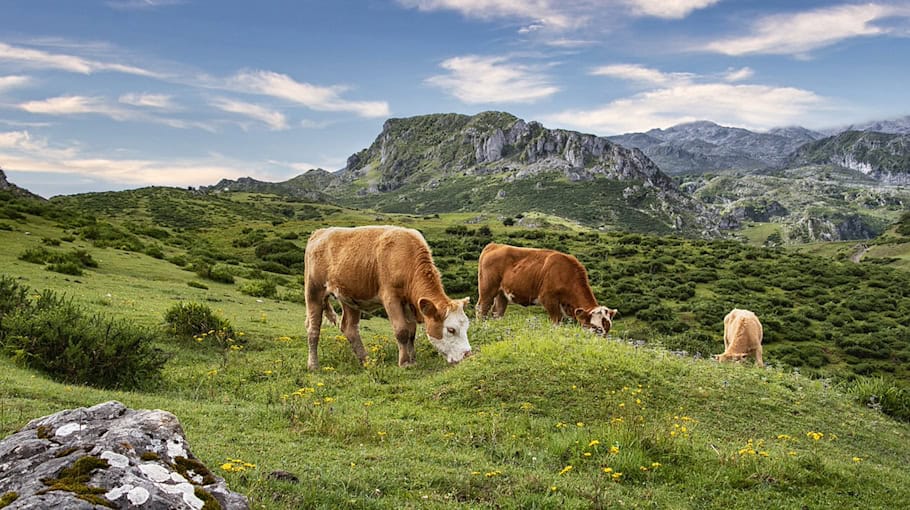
217, 273
197, 285
882, 394
13, 297
55, 336
198, 321
259, 288
67, 267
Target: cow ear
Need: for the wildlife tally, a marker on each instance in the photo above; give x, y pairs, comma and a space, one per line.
427, 308
612, 312
581, 314
466, 300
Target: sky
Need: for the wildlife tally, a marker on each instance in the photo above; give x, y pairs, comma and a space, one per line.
99, 95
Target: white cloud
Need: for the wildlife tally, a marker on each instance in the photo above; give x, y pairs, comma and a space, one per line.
83, 105
155, 101
741, 74
74, 105
312, 96
799, 33
276, 121
131, 5
560, 15
670, 9
671, 101
11, 82
23, 141
641, 74
475, 79
543, 13
44, 60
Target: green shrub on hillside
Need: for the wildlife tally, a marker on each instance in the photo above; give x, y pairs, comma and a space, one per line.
259, 288
198, 321
13, 296
70, 263
216, 273
57, 337
883, 394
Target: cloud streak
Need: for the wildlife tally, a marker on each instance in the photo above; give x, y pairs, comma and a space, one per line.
154, 101
476, 79
315, 97
674, 98
276, 121
12, 82
39, 59
800, 33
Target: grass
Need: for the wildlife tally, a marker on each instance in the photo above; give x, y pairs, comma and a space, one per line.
495, 431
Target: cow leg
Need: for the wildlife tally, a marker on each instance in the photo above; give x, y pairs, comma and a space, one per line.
405, 331
350, 326
315, 300
758, 360
500, 302
554, 310
486, 295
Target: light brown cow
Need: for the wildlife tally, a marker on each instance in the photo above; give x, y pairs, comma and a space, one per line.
381, 266
742, 337
530, 276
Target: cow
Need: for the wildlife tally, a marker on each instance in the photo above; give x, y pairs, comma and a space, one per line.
742, 337
366, 268
530, 276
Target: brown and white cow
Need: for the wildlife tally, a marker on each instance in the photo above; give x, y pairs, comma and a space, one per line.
530, 276
742, 337
381, 266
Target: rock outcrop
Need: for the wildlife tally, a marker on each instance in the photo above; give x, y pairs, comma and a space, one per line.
882, 156
108, 456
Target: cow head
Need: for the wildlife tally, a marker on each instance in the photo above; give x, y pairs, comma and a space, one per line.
447, 329
598, 319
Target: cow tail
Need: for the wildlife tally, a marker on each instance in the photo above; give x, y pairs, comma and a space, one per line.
329, 311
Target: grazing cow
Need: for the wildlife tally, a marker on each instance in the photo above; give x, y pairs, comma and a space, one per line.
380, 266
742, 337
530, 276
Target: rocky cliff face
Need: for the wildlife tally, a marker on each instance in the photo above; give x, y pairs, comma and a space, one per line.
882, 156
491, 142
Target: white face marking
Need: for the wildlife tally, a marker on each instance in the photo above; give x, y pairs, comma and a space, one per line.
601, 319
454, 342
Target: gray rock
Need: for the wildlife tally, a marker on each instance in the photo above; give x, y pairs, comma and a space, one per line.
131, 458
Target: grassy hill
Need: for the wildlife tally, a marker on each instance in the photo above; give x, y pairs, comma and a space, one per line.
502, 428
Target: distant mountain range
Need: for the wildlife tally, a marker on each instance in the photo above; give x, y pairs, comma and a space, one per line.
699, 147
703, 146
883, 156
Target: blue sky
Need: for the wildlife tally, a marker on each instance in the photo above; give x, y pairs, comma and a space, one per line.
114, 94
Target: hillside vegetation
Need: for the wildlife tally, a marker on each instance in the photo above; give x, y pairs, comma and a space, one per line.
542, 416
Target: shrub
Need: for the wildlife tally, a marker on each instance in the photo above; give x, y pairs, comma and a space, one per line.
196, 320
259, 288
217, 273
197, 285
66, 267
13, 297
883, 394
37, 255
178, 260
50, 241
6, 226
56, 336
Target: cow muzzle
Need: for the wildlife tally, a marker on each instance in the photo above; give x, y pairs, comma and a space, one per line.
466, 355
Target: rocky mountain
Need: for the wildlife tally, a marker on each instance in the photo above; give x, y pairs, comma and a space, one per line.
703, 146
7, 186
494, 162
883, 156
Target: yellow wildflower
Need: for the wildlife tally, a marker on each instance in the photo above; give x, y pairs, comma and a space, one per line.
566, 470
616, 476
857, 459
608, 470
614, 449
593, 442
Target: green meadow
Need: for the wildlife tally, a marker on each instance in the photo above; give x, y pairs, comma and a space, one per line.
541, 417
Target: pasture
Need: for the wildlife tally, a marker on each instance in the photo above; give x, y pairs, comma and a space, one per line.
540, 417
